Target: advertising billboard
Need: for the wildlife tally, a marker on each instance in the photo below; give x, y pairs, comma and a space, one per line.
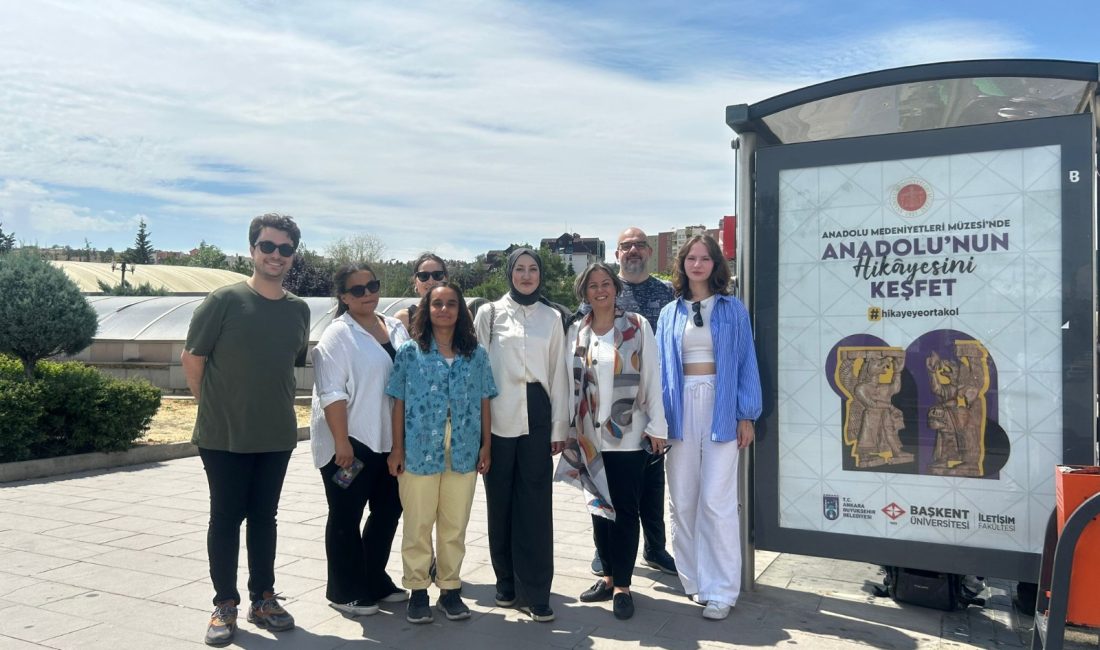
925, 322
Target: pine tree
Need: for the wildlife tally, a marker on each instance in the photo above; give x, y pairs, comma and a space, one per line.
7, 242
142, 252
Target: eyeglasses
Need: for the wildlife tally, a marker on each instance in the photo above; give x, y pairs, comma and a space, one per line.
268, 247
697, 307
423, 276
624, 246
371, 287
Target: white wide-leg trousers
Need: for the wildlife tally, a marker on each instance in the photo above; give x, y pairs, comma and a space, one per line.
702, 487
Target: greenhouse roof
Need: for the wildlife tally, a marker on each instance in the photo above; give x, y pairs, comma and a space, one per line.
173, 279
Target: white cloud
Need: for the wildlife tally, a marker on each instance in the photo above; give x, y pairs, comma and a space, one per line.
31, 210
452, 126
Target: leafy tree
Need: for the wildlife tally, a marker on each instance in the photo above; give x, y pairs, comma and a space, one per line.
310, 275
88, 250
557, 279
42, 313
469, 274
494, 286
142, 251
108, 255
7, 242
356, 248
208, 256
242, 265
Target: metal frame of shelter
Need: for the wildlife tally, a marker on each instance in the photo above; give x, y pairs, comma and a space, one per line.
924, 110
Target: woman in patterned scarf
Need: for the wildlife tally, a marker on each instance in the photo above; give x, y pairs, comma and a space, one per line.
617, 417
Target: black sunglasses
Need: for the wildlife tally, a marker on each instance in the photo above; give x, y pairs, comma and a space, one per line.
371, 287
268, 247
695, 307
423, 276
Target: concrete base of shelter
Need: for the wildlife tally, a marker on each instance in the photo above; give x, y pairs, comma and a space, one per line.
45, 467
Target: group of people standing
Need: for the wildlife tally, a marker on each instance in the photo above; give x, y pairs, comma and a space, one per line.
403, 422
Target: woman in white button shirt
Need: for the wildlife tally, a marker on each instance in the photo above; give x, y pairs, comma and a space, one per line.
617, 414
351, 421
524, 338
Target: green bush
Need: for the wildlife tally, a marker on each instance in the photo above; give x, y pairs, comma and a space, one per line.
42, 313
20, 411
69, 408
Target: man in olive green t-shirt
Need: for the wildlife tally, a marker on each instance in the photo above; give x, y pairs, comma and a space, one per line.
239, 358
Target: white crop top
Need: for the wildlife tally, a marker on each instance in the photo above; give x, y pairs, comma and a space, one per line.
698, 347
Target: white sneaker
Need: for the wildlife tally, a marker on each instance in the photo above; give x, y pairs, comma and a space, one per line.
398, 596
698, 601
356, 608
716, 610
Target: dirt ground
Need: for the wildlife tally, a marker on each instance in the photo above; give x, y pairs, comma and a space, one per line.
175, 421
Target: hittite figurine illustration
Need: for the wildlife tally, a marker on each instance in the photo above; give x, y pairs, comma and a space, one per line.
960, 411
870, 378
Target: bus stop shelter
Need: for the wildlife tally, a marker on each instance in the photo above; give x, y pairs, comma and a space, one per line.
918, 255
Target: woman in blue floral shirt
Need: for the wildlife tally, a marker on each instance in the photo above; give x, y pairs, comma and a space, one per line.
441, 385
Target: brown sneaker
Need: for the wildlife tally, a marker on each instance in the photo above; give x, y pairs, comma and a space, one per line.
270, 615
223, 626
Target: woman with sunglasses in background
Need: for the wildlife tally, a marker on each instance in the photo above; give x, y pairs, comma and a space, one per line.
524, 338
712, 397
617, 415
351, 437
429, 270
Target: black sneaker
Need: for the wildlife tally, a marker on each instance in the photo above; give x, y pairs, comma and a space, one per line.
660, 560
540, 613
356, 608
505, 598
597, 565
420, 610
270, 615
223, 626
598, 592
623, 607
450, 603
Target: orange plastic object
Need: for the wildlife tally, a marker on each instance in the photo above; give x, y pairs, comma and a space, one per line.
1073, 484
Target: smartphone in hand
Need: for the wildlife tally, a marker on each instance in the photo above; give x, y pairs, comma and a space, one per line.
343, 477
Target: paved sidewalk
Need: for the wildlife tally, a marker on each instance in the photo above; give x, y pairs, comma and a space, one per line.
116, 559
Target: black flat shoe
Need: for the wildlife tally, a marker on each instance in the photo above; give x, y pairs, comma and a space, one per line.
598, 592
623, 607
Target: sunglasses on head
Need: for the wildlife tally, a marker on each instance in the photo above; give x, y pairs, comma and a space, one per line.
423, 276
360, 289
696, 307
269, 247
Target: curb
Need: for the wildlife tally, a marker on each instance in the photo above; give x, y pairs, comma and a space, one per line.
48, 467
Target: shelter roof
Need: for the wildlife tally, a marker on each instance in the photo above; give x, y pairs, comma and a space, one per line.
921, 97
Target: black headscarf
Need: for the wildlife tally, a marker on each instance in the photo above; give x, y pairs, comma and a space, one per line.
523, 299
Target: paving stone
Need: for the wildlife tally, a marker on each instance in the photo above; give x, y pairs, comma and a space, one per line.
37, 625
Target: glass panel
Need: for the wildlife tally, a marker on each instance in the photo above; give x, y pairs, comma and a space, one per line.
930, 105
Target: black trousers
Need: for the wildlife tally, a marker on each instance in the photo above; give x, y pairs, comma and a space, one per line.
243, 487
518, 499
652, 506
357, 561
617, 541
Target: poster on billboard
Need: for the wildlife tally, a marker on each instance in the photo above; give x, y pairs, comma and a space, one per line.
919, 305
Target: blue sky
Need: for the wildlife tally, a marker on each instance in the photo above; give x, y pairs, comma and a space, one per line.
447, 126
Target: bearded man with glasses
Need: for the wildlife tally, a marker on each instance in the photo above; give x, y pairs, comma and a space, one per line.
242, 346
646, 295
